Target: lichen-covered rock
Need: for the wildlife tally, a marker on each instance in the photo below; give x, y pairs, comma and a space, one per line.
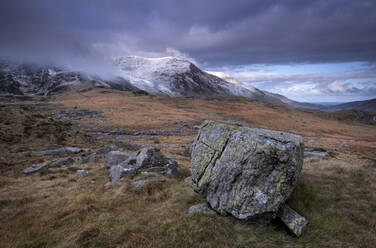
295, 222
245, 172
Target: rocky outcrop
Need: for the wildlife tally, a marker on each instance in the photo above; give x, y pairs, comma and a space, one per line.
245, 172
115, 158
57, 163
147, 160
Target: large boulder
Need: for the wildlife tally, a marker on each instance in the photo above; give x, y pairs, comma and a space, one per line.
245, 172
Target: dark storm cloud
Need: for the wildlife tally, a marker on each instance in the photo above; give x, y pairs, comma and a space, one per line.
211, 31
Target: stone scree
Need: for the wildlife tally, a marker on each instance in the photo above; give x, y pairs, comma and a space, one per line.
247, 172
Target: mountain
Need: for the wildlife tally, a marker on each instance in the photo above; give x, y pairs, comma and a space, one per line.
161, 76
367, 105
175, 77
33, 79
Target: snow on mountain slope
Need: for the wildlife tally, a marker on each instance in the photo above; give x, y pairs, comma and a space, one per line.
174, 77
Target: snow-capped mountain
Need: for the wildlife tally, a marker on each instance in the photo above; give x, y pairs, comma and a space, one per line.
161, 76
170, 76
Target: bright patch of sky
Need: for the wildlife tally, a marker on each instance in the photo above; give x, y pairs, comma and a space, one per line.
334, 82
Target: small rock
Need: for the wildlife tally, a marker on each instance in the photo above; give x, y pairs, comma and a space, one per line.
139, 183
79, 160
115, 158
107, 148
316, 152
92, 158
60, 152
61, 162
201, 208
35, 168
82, 173
295, 222
73, 149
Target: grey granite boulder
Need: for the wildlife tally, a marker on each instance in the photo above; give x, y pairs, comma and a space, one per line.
139, 183
245, 172
201, 208
115, 158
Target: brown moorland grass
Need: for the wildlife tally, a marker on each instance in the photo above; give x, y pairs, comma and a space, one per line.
55, 209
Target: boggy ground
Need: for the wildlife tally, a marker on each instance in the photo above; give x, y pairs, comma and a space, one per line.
56, 209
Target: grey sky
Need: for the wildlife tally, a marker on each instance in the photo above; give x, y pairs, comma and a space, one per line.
215, 33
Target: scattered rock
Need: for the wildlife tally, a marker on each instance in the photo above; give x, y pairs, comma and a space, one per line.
245, 172
139, 183
117, 172
35, 168
107, 148
61, 162
146, 159
201, 208
79, 160
60, 152
127, 145
316, 152
74, 149
82, 173
295, 222
115, 158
